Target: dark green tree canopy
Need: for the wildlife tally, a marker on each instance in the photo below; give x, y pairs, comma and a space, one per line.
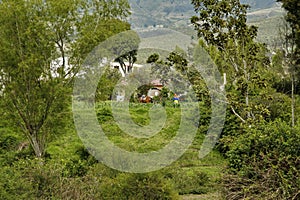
293, 15
218, 21
293, 18
34, 35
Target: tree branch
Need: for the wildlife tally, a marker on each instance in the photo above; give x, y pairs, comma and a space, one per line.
237, 115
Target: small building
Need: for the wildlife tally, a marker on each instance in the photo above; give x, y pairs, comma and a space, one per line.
157, 84
153, 92
156, 89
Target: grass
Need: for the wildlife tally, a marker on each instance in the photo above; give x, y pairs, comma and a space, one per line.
189, 176
164, 40
210, 196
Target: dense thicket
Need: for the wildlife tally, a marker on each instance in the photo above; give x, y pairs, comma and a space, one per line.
259, 133
42, 46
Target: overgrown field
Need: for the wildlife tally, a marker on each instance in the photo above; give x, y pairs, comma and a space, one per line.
70, 172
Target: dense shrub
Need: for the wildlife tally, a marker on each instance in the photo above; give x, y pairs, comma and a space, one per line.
189, 181
40, 179
13, 185
70, 172
264, 163
149, 186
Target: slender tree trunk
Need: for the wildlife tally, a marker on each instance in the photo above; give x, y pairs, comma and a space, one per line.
247, 101
293, 101
37, 146
247, 76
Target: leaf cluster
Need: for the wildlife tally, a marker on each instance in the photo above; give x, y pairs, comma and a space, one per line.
266, 158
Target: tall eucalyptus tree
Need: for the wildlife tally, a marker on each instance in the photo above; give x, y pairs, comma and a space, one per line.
42, 44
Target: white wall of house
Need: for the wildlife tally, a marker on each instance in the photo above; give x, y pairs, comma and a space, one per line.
117, 65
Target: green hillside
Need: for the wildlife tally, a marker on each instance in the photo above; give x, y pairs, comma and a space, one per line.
96, 103
260, 4
176, 15
151, 13
173, 13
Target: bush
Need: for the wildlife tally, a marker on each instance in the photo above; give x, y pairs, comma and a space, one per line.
265, 163
40, 179
190, 181
37, 179
149, 186
13, 185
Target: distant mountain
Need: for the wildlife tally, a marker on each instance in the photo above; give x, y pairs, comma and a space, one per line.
147, 13
175, 13
260, 4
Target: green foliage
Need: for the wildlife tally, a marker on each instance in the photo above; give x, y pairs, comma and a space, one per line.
37, 179
278, 107
162, 70
139, 113
89, 37
153, 58
104, 114
106, 84
70, 171
266, 157
13, 185
290, 34
125, 48
35, 36
263, 152
140, 186
256, 138
293, 18
9, 140
229, 40
143, 90
75, 168
173, 70
178, 61
189, 181
214, 24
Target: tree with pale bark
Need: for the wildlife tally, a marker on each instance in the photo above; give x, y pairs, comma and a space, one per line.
36, 90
